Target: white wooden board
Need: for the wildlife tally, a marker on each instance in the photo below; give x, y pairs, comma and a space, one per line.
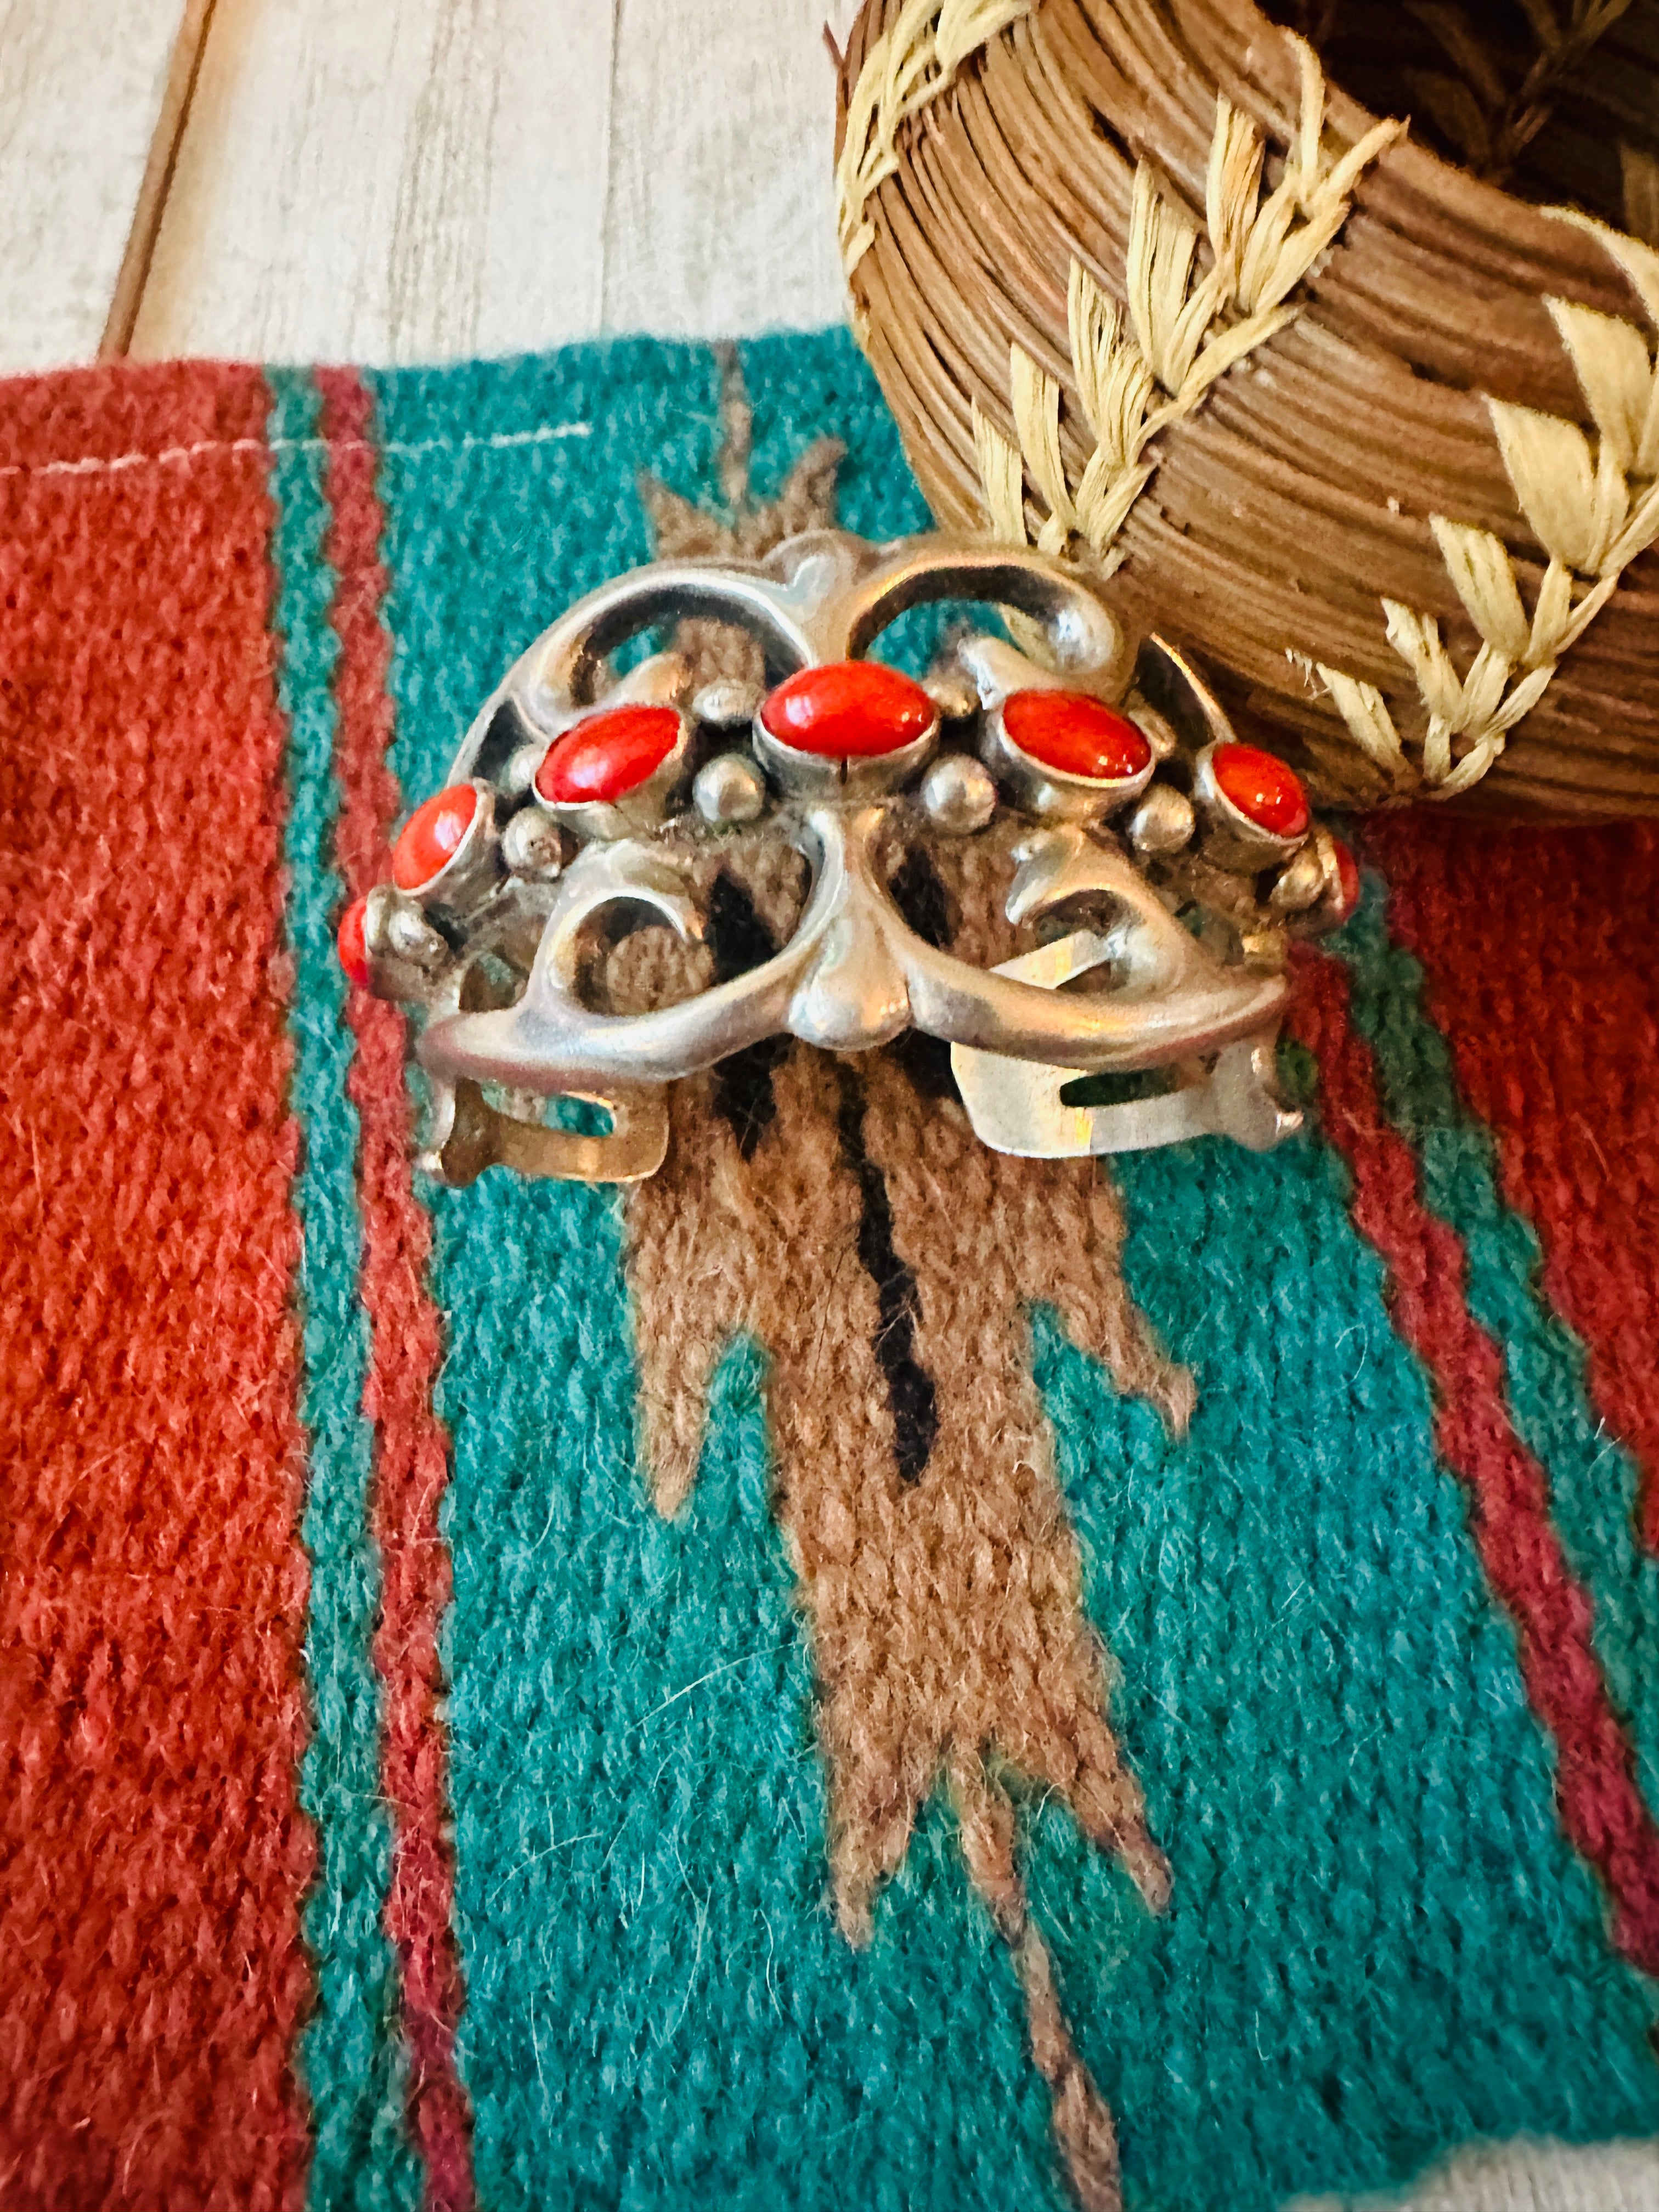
720, 218
87, 95
404, 180
397, 180
389, 180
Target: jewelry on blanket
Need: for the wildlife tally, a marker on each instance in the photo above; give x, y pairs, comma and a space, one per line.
1155, 866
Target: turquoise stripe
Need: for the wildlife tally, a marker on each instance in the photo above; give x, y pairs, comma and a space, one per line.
350, 2052
1380, 1941
1595, 1482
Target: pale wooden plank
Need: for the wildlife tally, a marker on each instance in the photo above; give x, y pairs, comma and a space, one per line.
720, 220
393, 180
88, 93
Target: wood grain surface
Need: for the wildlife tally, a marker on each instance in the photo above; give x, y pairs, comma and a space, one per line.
398, 181
719, 215
89, 108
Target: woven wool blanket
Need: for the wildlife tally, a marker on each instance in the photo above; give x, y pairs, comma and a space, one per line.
868, 1673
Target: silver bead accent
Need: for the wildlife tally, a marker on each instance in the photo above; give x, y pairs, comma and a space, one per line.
413, 937
404, 950
959, 794
1310, 888
522, 767
952, 690
729, 788
727, 703
1164, 821
532, 844
1301, 882
1158, 730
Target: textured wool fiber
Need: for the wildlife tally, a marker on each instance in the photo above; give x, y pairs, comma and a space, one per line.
1595, 1490
153, 1855
865, 1674
355, 2071
1550, 1005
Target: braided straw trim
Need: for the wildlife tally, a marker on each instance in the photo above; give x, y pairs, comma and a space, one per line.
1592, 506
912, 62
1140, 369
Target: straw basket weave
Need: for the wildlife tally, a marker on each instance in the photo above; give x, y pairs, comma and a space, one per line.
1367, 416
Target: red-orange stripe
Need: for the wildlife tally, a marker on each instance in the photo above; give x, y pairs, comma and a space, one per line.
411, 1449
153, 1854
1538, 950
1601, 1807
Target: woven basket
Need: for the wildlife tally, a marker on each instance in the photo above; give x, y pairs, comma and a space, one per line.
1365, 418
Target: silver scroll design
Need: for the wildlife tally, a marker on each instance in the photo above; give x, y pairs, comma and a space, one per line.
1131, 989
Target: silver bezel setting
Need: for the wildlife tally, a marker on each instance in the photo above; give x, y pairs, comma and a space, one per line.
642, 808
859, 775
1050, 794
474, 866
1233, 839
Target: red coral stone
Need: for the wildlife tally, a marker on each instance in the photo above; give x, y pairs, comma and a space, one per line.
608, 756
1262, 788
1347, 877
351, 942
1076, 735
848, 710
432, 836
